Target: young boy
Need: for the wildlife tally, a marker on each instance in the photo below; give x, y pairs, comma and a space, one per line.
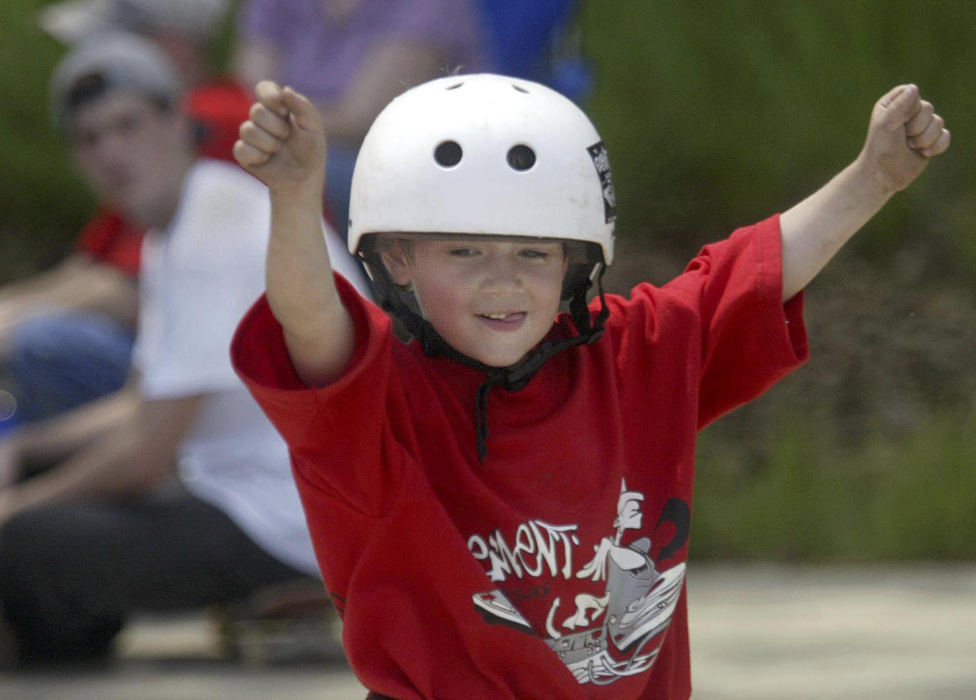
502, 508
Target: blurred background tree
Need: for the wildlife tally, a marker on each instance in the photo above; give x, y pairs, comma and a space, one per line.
716, 115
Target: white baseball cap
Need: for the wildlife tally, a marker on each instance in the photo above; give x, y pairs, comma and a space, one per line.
70, 21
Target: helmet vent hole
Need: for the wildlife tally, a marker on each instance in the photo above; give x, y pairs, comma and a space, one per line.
448, 154
521, 157
519, 88
455, 86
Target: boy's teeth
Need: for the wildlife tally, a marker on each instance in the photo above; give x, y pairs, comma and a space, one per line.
496, 317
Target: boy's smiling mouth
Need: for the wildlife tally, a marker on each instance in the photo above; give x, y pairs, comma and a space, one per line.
504, 321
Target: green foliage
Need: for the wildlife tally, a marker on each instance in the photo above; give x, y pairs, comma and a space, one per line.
866, 452
909, 497
719, 113
42, 204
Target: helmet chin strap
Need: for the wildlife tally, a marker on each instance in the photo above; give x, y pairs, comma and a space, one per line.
513, 377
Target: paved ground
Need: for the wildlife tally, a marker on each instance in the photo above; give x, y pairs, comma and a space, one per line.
758, 633
774, 633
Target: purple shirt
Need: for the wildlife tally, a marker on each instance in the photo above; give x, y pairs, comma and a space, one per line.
321, 56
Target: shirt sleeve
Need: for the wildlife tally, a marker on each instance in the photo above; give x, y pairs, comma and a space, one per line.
721, 324
340, 435
750, 338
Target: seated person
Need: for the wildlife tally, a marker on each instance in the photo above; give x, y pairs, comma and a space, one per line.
176, 492
66, 335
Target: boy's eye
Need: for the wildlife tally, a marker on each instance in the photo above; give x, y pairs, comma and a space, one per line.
534, 254
462, 252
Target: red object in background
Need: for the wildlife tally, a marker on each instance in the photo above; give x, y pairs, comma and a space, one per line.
109, 239
217, 108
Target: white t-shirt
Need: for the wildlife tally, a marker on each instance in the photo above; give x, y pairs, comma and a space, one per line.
198, 278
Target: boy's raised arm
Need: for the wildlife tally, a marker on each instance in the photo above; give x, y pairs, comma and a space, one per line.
283, 144
904, 133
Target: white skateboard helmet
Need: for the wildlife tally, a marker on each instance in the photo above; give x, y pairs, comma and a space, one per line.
486, 155
483, 155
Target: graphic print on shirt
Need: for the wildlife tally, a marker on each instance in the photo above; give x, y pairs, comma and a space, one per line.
606, 637
601, 161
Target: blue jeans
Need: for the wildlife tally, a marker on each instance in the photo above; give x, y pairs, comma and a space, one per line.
58, 362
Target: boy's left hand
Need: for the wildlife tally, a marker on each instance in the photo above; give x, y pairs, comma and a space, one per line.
905, 132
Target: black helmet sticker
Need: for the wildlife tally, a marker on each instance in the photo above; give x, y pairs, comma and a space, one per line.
601, 161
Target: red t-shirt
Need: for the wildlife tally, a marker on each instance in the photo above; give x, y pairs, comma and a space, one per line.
217, 109
555, 568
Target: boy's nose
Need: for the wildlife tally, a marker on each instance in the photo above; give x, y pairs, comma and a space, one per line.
500, 272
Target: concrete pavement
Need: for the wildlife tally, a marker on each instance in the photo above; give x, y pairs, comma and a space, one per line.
758, 632
765, 633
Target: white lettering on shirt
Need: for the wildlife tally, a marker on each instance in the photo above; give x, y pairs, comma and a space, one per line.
538, 546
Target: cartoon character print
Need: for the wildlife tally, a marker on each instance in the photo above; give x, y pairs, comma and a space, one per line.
620, 633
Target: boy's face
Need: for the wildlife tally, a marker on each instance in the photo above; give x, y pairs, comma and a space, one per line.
493, 300
131, 153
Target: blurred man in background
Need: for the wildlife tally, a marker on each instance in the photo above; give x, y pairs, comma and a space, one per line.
181, 494
66, 334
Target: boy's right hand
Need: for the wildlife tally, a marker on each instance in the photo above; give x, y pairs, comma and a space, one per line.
283, 141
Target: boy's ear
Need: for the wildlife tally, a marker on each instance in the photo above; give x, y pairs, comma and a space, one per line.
396, 262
